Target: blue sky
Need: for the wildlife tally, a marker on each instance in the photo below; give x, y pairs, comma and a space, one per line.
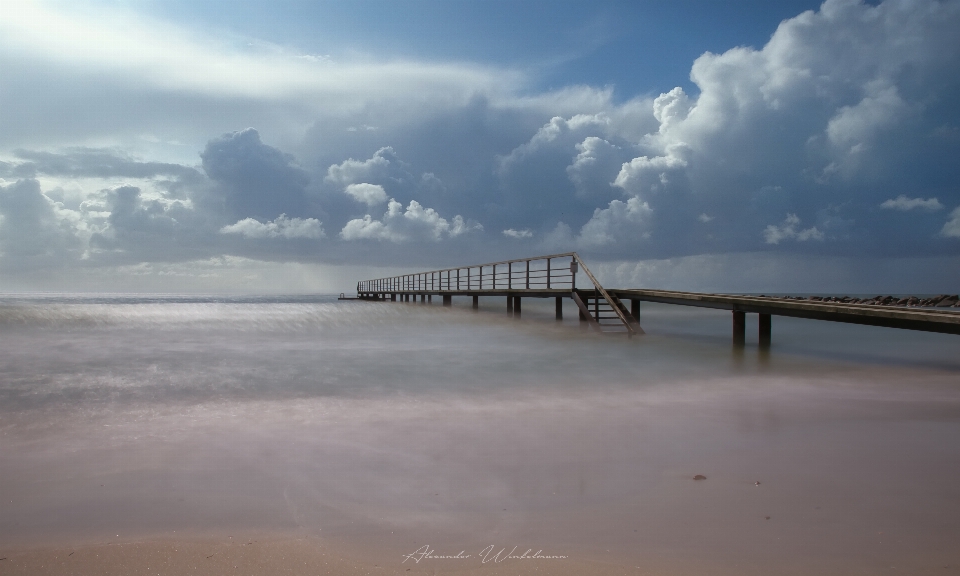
295, 146
635, 46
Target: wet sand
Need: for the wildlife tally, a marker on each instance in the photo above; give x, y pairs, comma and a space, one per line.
849, 482
269, 556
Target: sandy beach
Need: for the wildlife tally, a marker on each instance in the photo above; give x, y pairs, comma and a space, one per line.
239, 556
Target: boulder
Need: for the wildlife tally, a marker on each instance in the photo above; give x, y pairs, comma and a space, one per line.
948, 301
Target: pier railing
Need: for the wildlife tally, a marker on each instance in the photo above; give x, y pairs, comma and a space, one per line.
553, 272
539, 276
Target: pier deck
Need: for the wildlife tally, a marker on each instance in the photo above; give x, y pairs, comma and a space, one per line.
555, 276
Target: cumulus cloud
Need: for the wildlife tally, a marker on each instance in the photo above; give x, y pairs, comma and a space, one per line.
517, 234
460, 226
620, 221
34, 231
647, 177
590, 171
367, 228
256, 180
670, 108
854, 126
567, 167
952, 228
369, 194
556, 129
842, 110
140, 228
281, 227
903, 203
826, 114
787, 230
352, 171
399, 225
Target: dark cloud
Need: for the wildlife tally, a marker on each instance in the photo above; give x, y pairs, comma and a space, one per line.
839, 138
254, 180
32, 234
95, 163
152, 230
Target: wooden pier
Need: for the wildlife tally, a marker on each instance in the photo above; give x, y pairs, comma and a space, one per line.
555, 276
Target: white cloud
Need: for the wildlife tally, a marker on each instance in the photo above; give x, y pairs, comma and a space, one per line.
172, 58
34, 230
670, 108
352, 171
281, 227
952, 227
517, 234
399, 225
556, 128
460, 226
788, 231
649, 176
903, 203
843, 109
369, 194
597, 160
367, 228
855, 125
618, 222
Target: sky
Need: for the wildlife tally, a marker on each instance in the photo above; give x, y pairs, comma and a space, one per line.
301, 146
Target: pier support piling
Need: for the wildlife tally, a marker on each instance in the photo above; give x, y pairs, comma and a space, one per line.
764, 330
635, 309
516, 306
510, 305
430, 298
739, 328
447, 300
393, 297
476, 302
559, 308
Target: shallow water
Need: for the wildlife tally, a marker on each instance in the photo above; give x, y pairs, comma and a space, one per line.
388, 426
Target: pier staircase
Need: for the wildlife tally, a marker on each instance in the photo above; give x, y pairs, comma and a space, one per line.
552, 276
607, 314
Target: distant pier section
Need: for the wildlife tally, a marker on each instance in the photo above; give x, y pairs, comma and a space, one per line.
605, 309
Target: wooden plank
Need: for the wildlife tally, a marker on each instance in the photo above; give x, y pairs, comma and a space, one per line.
605, 295
905, 318
585, 311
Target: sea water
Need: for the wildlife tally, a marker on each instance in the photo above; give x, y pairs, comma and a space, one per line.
387, 426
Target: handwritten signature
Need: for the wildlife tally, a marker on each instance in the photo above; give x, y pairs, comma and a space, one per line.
488, 554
